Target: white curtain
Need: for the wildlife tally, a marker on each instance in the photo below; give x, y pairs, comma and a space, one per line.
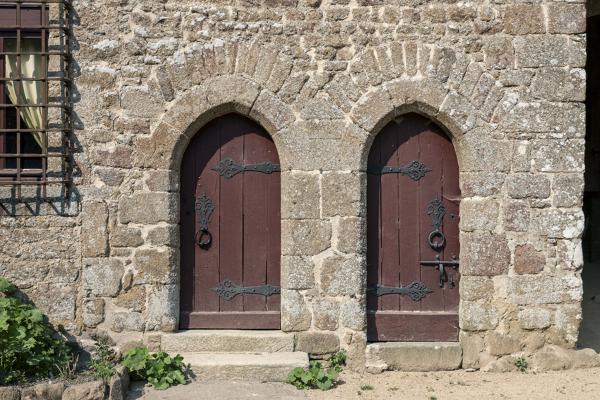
28, 92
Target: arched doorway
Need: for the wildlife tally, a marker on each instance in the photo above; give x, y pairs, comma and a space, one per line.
230, 228
413, 198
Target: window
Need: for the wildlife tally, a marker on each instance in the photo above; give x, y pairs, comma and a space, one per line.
35, 120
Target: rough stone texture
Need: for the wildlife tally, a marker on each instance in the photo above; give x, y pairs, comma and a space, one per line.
86, 391
414, 356
227, 341
317, 343
505, 79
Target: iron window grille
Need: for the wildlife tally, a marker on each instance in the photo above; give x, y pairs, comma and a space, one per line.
35, 95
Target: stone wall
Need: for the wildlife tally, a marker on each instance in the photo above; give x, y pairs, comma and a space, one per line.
505, 78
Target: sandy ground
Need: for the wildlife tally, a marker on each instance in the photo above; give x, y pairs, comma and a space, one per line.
461, 385
457, 385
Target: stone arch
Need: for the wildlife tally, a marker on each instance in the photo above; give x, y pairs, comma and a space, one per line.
168, 139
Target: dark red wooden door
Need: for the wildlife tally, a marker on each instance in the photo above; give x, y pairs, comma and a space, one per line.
230, 228
413, 201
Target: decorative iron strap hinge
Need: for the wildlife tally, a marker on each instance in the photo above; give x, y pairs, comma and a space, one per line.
416, 290
229, 168
415, 170
228, 290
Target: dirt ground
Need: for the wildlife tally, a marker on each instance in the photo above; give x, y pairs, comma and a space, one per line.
580, 384
583, 384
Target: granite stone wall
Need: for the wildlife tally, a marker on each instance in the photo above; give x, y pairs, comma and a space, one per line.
506, 79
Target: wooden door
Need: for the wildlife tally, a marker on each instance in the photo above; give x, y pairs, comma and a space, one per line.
412, 233
230, 228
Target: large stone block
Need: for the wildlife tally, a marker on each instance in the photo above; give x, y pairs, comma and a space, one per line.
343, 275
94, 231
558, 155
93, 312
305, 237
478, 214
535, 318
477, 316
522, 19
415, 356
297, 272
295, 315
559, 84
350, 235
499, 344
521, 186
568, 190
317, 343
562, 119
528, 260
352, 313
326, 314
517, 216
342, 194
134, 298
472, 345
102, 276
484, 254
543, 289
163, 308
548, 50
559, 223
301, 195
473, 288
148, 208
566, 18
124, 236
155, 265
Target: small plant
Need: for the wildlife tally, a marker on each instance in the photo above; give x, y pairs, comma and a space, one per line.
521, 364
69, 369
366, 387
159, 369
315, 377
104, 361
28, 349
338, 361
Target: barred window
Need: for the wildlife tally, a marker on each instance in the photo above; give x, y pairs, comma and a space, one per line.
35, 112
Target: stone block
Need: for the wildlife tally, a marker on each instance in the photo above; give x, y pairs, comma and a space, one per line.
473, 288
155, 265
585, 358
551, 358
484, 254
342, 276
528, 260
499, 344
295, 315
102, 276
162, 310
317, 343
133, 299
352, 313
543, 289
521, 186
10, 393
342, 194
305, 237
326, 314
517, 216
124, 236
127, 321
371, 109
164, 235
566, 18
472, 346
477, 316
148, 208
350, 235
139, 102
415, 356
93, 312
548, 50
94, 231
297, 272
559, 223
271, 112
568, 190
498, 52
478, 214
94, 390
481, 153
559, 84
43, 391
227, 341
482, 184
522, 19
535, 318
301, 195
114, 156
563, 119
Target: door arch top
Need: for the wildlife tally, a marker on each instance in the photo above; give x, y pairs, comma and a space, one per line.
215, 97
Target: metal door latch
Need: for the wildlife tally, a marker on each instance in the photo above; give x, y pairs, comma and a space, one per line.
204, 209
440, 265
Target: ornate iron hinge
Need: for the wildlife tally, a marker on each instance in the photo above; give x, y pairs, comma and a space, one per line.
416, 290
204, 210
229, 168
415, 170
440, 265
228, 290
436, 210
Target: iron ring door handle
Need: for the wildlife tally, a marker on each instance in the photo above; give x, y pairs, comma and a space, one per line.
437, 244
203, 238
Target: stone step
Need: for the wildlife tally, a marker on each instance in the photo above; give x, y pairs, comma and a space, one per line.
227, 341
259, 367
413, 356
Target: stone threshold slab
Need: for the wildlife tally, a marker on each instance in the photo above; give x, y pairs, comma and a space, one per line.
413, 356
227, 341
259, 367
